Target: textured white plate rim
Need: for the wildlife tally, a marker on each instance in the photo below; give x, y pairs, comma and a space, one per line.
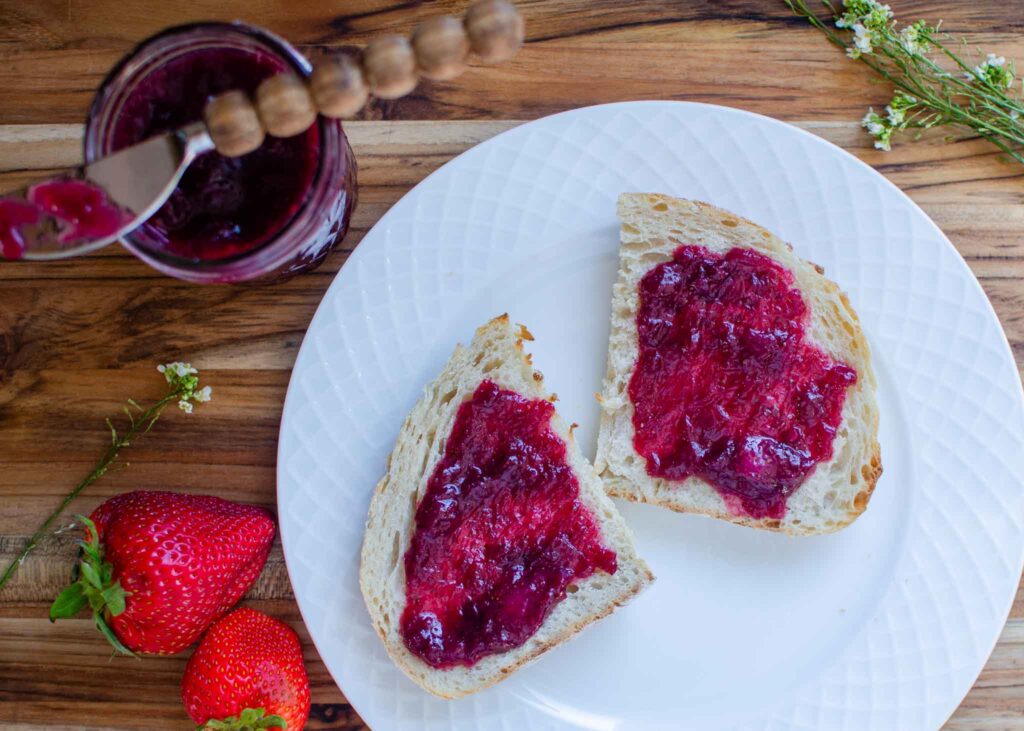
356, 256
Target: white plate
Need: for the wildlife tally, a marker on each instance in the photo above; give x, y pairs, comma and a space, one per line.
884, 625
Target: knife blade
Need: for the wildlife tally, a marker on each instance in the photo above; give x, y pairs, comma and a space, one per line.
86, 208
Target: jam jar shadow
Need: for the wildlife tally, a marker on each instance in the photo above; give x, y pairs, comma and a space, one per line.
261, 217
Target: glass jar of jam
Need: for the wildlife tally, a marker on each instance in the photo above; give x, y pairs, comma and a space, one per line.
274, 212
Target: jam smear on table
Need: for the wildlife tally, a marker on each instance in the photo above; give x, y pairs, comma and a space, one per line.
727, 386
500, 534
223, 206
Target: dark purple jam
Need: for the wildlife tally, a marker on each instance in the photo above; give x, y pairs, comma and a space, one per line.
500, 533
223, 206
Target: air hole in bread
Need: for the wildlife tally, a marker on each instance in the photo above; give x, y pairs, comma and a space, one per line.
730, 223
866, 472
830, 496
447, 399
630, 229
860, 502
662, 206
853, 478
492, 365
479, 357
572, 588
396, 548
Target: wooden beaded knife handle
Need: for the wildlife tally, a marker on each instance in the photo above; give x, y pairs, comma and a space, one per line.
90, 207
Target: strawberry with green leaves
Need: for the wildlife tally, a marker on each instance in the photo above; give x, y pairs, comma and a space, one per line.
247, 673
158, 568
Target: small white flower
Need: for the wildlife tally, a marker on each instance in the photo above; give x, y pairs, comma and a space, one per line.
178, 369
872, 123
203, 394
910, 41
185, 405
895, 116
862, 39
883, 144
994, 71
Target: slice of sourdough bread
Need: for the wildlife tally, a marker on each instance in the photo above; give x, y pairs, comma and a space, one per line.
835, 492
496, 353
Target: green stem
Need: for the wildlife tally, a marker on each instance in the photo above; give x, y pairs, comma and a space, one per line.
139, 426
979, 108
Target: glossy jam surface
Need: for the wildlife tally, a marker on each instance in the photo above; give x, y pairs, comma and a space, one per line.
223, 207
500, 533
726, 386
73, 210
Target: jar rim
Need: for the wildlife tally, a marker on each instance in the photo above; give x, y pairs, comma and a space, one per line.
99, 124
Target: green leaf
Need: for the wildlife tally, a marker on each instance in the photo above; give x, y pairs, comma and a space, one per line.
91, 551
251, 719
102, 626
114, 597
69, 602
90, 574
92, 535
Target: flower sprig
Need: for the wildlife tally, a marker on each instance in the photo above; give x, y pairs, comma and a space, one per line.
934, 85
182, 386
185, 378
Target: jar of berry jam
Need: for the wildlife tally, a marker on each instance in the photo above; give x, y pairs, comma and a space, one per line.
266, 215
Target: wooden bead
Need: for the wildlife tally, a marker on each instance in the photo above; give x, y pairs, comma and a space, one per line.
338, 86
233, 124
285, 106
495, 30
389, 67
440, 46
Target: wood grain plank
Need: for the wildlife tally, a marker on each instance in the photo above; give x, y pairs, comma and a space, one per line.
970, 192
58, 51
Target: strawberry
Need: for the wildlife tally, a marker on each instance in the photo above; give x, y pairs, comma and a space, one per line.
247, 673
158, 567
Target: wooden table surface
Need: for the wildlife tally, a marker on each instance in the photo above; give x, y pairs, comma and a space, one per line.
78, 337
